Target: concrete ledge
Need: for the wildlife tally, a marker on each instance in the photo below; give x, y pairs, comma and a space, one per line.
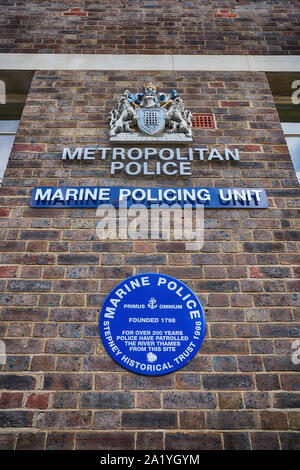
167, 138
243, 63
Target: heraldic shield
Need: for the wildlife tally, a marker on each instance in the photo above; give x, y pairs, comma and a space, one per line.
151, 120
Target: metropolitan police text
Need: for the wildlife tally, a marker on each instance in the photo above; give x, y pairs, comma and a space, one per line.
135, 161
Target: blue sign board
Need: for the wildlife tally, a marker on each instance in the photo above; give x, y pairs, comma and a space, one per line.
152, 324
94, 196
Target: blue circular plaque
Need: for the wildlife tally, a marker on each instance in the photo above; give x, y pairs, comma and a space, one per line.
152, 324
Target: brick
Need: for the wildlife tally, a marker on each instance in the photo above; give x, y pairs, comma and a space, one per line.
231, 420
241, 300
150, 440
53, 272
38, 401
107, 382
250, 363
105, 441
17, 382
63, 400
149, 420
189, 400
8, 271
275, 271
36, 246
148, 400
261, 346
188, 381
290, 382
267, 382
228, 382
28, 148
67, 381
39, 235
265, 441
286, 400
236, 441
144, 247
17, 363
72, 364
31, 441
273, 420
41, 258
290, 440
10, 400
78, 259
140, 382
214, 272
43, 363
191, 420
281, 330
23, 346
113, 400
58, 346
44, 330
199, 363
29, 286
103, 363
4, 212
19, 330
16, 419
49, 300
230, 400
107, 420
70, 330
140, 260
217, 286
279, 363
60, 440
261, 247
12, 246
246, 331
64, 420
193, 441
32, 272
73, 314
222, 330
8, 441
234, 103
74, 286
294, 421
224, 363
218, 300
255, 400
223, 346
275, 300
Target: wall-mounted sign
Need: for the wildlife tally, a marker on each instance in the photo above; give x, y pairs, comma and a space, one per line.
92, 197
150, 116
151, 161
152, 324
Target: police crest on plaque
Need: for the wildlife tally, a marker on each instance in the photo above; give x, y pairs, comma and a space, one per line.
149, 116
151, 121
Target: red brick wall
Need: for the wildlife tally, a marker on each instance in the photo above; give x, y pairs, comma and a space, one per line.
151, 27
59, 388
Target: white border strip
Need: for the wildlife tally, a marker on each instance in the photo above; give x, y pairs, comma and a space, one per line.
243, 63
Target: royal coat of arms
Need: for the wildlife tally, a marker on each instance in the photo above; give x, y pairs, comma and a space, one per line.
150, 116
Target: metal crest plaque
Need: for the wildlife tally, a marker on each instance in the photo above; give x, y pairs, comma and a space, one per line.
151, 121
150, 115
152, 324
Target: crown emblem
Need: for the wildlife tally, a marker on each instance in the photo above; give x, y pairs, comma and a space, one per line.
150, 85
